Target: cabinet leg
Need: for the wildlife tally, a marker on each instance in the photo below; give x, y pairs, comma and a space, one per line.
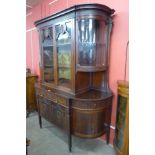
40, 121
27, 114
70, 142
108, 135
26, 151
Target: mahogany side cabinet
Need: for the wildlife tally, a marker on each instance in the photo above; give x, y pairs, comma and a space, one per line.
74, 92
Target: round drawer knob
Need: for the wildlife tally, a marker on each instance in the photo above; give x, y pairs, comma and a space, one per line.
48, 90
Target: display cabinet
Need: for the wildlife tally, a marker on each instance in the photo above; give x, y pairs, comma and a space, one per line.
74, 56
121, 141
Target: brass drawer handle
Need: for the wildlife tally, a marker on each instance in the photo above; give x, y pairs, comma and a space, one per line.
49, 90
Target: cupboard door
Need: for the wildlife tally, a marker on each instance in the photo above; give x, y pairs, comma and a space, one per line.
46, 108
91, 43
47, 54
63, 34
59, 116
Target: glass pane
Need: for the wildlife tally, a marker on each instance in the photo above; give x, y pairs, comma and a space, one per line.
122, 102
63, 33
91, 45
47, 45
120, 121
47, 37
119, 139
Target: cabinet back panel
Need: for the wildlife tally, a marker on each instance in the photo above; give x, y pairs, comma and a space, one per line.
97, 79
82, 81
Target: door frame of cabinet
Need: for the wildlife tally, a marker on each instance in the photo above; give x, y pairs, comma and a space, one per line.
41, 59
55, 61
72, 89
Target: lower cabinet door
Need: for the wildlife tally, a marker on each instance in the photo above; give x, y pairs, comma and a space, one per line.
46, 108
53, 112
60, 116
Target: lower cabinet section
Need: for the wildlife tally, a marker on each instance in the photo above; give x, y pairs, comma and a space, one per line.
90, 118
85, 118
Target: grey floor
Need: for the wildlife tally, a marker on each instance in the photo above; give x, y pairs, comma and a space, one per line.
50, 140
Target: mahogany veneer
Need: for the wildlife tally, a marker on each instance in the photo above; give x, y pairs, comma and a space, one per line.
74, 56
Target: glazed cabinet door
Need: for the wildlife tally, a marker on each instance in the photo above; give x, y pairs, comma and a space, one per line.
91, 45
47, 54
64, 40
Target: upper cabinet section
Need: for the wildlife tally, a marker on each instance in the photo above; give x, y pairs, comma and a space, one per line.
74, 40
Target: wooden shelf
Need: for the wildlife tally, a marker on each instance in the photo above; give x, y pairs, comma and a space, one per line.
48, 71
65, 83
49, 66
90, 68
47, 46
64, 66
90, 44
65, 44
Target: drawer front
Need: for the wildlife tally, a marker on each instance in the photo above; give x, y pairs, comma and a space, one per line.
50, 95
92, 104
47, 94
62, 101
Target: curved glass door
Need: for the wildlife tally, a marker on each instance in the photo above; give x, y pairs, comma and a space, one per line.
91, 47
47, 47
63, 42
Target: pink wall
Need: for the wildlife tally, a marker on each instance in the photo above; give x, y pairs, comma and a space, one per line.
120, 36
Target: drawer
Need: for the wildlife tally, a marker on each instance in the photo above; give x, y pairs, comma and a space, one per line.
50, 95
62, 101
91, 104
46, 93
